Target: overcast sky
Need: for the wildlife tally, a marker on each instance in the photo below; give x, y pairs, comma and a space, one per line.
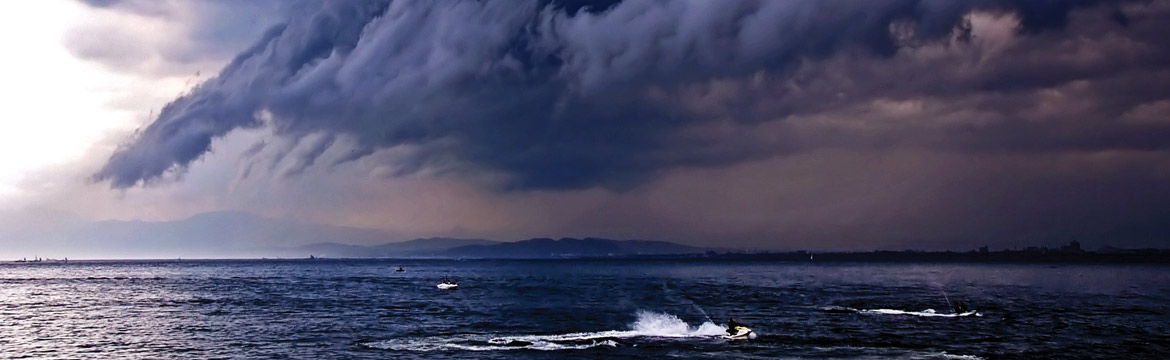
819, 124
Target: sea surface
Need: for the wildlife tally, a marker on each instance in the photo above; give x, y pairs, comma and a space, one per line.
586, 309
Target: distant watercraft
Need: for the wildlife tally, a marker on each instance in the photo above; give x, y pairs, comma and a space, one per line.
400, 269
448, 284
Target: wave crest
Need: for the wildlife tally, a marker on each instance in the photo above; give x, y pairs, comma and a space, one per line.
923, 313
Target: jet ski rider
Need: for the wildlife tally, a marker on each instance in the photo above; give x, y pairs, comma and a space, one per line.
960, 307
731, 325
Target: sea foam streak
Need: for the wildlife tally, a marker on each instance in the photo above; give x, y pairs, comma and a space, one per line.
649, 324
923, 313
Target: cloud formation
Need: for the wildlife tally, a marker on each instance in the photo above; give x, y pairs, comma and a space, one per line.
171, 37
564, 95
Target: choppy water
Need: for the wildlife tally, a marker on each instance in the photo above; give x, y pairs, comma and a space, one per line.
579, 309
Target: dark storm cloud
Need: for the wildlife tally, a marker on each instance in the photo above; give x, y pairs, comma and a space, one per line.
566, 94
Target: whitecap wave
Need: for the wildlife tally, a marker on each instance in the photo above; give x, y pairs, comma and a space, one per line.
889, 353
945, 355
449, 343
648, 325
923, 313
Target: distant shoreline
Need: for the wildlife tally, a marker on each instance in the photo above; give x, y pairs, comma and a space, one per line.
876, 257
639, 250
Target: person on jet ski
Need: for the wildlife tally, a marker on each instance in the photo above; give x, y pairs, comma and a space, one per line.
959, 307
731, 325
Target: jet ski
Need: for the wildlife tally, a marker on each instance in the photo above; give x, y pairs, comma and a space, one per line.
448, 284
736, 330
741, 332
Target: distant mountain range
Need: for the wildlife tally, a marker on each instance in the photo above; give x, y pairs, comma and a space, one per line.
240, 234
485, 249
430, 247
569, 247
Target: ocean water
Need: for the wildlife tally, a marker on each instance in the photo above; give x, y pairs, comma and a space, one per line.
579, 309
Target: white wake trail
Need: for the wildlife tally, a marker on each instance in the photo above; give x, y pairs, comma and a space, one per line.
648, 325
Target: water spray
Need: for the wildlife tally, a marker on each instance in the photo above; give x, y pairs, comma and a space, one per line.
670, 294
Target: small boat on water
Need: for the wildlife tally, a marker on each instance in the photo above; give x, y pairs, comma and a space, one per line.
448, 284
400, 269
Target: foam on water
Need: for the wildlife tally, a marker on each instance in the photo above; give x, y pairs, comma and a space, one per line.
923, 313
872, 353
666, 325
945, 355
470, 344
648, 325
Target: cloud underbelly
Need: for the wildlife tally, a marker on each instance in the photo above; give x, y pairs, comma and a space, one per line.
557, 97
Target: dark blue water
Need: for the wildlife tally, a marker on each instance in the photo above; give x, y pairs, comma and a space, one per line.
579, 309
